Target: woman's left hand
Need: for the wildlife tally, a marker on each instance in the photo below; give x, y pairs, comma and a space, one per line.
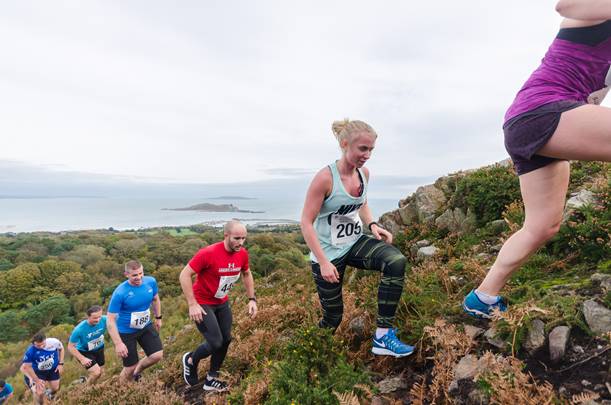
381, 233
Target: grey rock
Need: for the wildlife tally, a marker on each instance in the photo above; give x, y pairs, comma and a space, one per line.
392, 384
597, 316
496, 248
585, 383
558, 340
580, 199
378, 400
357, 327
423, 243
453, 387
391, 221
429, 200
535, 339
473, 331
498, 226
426, 252
466, 368
578, 349
409, 214
455, 221
483, 256
603, 279
477, 397
491, 337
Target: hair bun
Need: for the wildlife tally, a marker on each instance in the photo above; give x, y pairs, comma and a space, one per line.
339, 126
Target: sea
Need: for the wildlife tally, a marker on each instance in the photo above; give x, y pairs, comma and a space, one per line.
59, 214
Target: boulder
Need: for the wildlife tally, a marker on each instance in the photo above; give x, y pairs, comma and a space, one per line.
535, 339
473, 331
466, 368
426, 252
603, 279
357, 327
428, 201
456, 221
497, 226
392, 384
558, 340
597, 316
491, 337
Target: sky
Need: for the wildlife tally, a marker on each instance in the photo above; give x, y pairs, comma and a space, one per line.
241, 91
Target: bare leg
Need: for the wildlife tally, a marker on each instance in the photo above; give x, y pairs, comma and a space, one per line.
127, 374
583, 133
543, 192
54, 386
148, 361
94, 373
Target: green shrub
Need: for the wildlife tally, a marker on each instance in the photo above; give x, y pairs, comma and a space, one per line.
313, 368
486, 192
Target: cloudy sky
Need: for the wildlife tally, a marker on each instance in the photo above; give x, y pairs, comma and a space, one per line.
228, 91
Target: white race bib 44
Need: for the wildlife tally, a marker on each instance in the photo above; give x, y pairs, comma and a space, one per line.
225, 285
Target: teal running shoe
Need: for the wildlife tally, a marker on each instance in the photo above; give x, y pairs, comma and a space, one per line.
390, 345
478, 309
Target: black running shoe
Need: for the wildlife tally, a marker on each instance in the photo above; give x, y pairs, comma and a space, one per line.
189, 372
137, 377
212, 384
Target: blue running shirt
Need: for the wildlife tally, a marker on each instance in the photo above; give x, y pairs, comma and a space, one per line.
88, 338
5, 392
133, 304
45, 359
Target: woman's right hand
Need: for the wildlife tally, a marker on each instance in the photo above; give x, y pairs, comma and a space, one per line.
329, 272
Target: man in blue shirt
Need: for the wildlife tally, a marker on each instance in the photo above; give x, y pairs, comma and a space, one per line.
86, 342
6, 392
129, 321
43, 363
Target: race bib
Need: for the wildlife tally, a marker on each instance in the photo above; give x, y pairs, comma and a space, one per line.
95, 343
45, 365
140, 319
225, 285
345, 228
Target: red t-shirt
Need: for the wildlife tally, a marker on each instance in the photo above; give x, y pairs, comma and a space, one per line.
217, 270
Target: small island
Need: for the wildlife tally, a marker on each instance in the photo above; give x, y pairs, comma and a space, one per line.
207, 207
231, 197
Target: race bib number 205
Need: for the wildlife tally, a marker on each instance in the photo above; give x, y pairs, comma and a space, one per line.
345, 228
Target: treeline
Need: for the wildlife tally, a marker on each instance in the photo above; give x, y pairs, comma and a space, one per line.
51, 279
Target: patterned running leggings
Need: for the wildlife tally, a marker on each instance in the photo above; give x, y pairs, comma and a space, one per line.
369, 254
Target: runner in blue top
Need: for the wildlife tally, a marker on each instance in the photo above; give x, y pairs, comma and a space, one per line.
42, 365
129, 321
87, 342
6, 392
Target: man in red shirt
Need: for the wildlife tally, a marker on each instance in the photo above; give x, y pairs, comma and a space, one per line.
217, 267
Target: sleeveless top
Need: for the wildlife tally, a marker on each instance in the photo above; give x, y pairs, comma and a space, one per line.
338, 225
574, 66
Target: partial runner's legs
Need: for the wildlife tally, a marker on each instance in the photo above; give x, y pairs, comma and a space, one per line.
543, 192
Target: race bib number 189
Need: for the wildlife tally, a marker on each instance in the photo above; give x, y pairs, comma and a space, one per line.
140, 319
345, 228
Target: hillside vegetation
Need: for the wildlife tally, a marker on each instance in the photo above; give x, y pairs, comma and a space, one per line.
450, 231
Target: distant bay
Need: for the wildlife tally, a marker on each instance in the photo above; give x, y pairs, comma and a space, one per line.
76, 213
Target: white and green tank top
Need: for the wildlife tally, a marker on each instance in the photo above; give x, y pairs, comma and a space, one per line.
338, 224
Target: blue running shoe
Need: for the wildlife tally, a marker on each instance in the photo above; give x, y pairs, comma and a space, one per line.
390, 345
478, 309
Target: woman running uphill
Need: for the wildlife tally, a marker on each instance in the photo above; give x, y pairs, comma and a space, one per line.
332, 224
554, 118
